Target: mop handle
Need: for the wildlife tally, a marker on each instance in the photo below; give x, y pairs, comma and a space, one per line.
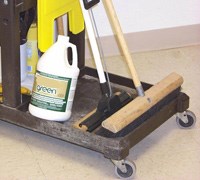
60, 27
116, 25
93, 43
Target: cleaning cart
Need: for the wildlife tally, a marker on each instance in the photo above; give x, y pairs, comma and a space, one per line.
114, 146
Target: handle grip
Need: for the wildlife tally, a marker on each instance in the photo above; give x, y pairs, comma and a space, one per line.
90, 3
74, 55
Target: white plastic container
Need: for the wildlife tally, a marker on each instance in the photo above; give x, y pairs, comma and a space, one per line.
55, 82
23, 63
32, 49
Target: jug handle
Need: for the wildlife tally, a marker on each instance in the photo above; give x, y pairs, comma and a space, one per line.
74, 55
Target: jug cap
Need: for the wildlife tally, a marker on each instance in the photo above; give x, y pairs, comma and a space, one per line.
62, 38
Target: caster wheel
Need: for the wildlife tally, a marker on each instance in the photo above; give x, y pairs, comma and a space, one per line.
186, 120
130, 170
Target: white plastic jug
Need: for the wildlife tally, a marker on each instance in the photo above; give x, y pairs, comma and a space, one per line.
55, 82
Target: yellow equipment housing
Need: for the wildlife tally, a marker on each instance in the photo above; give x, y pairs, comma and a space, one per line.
48, 11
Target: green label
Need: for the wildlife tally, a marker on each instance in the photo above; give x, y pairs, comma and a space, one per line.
50, 92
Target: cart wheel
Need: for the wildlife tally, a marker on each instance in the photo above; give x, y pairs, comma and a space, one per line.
186, 120
130, 170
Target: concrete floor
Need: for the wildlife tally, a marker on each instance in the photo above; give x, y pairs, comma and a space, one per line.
169, 153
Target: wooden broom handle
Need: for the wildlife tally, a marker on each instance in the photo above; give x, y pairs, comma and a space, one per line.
117, 28
60, 28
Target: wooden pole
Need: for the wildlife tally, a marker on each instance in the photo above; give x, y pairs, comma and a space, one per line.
60, 27
120, 37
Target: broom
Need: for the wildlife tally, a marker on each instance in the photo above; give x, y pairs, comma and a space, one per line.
145, 100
